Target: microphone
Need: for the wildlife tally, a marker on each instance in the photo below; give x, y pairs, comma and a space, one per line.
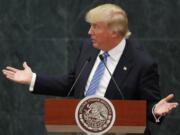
82, 69
114, 81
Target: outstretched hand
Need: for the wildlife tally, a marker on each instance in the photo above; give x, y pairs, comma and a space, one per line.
19, 76
164, 107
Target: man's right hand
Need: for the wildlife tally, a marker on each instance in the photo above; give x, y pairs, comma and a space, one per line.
19, 76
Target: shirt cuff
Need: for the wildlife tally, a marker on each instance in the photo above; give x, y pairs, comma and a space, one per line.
157, 119
33, 80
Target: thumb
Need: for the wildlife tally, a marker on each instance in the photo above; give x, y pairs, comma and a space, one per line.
25, 65
169, 97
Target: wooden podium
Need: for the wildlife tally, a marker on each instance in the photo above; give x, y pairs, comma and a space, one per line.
130, 116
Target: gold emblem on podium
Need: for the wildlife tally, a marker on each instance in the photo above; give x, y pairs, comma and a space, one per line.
95, 115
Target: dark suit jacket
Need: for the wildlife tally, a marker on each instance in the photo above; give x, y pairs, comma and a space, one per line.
140, 80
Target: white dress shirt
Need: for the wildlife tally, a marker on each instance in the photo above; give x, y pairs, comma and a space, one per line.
112, 61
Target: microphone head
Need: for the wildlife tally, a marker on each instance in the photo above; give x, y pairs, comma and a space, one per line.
101, 57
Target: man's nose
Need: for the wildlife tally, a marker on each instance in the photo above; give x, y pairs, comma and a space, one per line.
90, 31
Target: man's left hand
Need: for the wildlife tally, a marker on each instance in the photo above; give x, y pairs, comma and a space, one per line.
164, 107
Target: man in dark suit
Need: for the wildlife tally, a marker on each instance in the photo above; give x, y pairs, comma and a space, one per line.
134, 70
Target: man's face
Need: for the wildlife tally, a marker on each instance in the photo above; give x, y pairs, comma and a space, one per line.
100, 35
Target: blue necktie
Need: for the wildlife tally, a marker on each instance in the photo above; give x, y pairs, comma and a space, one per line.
97, 76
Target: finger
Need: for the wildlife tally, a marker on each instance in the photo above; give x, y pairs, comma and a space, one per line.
8, 72
170, 108
164, 114
173, 105
12, 69
4, 71
25, 65
169, 97
10, 77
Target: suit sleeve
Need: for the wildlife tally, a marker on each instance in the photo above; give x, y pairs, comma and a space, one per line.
54, 86
149, 87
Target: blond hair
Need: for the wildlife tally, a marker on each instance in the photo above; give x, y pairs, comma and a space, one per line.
111, 14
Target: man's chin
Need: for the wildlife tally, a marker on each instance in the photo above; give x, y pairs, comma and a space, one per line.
95, 45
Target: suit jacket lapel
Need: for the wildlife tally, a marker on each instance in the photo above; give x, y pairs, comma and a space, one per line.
121, 72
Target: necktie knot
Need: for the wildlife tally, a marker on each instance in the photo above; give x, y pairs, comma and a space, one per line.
105, 55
